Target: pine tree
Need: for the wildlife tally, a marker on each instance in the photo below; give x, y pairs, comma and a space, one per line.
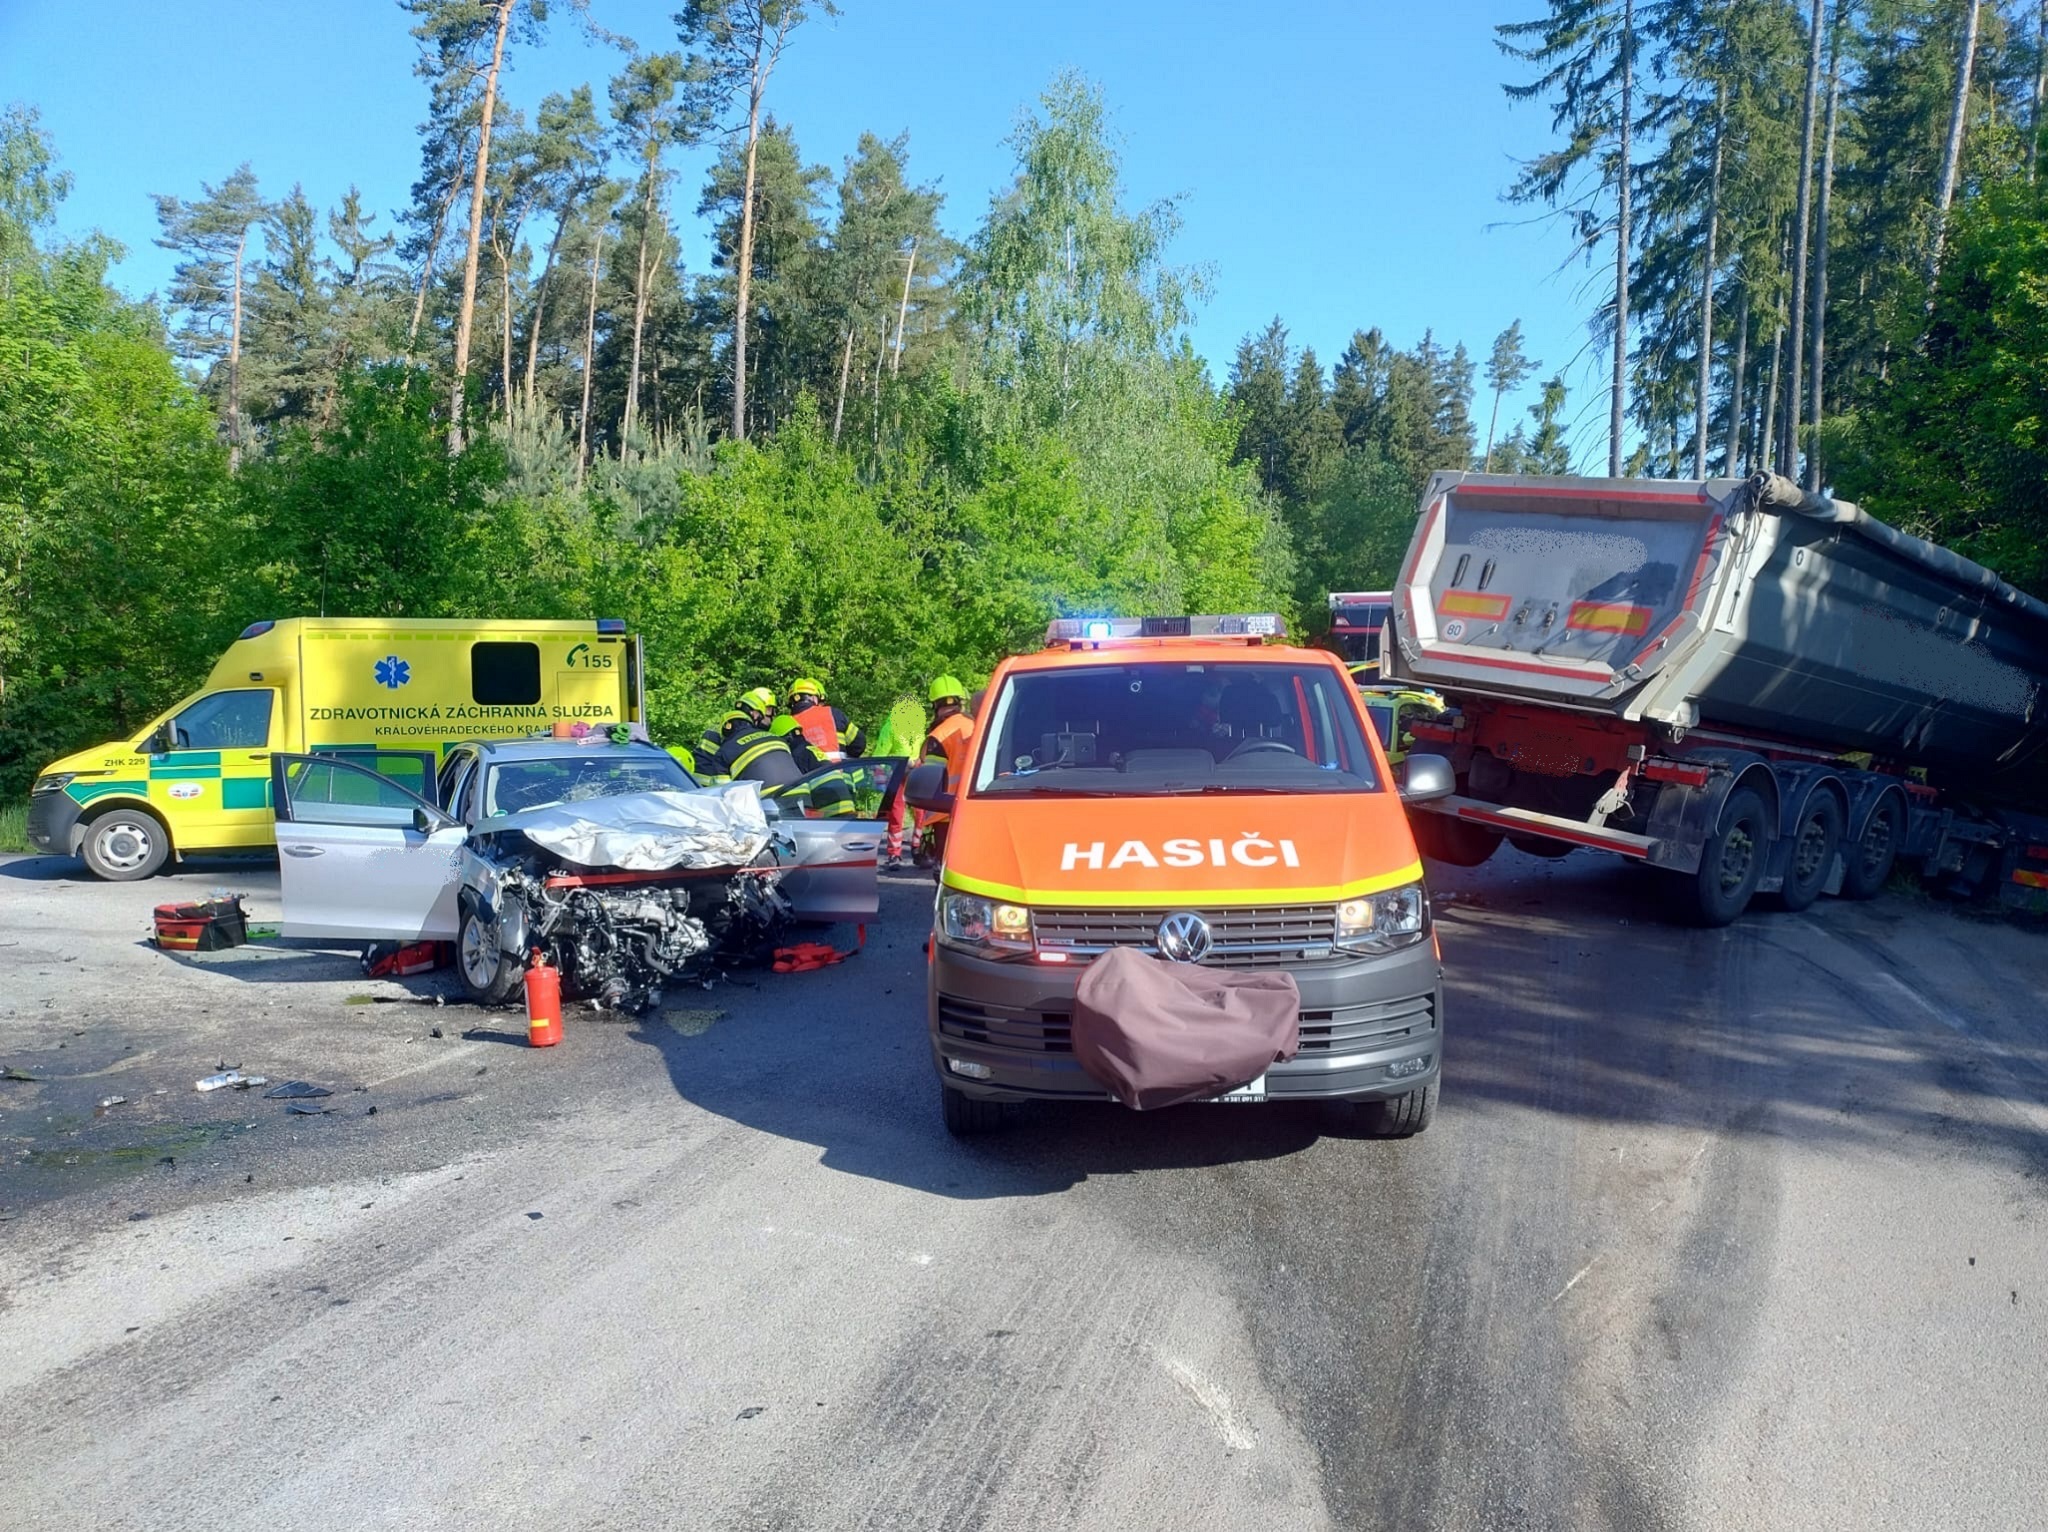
211, 238
734, 47
651, 118
1507, 368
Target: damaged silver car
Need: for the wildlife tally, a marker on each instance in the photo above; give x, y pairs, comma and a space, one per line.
608, 859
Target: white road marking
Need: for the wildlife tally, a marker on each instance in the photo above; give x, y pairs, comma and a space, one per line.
1236, 1435
1577, 1277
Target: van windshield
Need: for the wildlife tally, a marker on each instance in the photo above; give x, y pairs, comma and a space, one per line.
1164, 727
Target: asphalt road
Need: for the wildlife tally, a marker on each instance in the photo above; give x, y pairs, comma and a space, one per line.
1713, 1229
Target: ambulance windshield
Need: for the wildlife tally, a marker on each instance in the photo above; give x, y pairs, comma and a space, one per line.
1164, 727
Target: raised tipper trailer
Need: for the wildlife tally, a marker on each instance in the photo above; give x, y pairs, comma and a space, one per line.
1756, 689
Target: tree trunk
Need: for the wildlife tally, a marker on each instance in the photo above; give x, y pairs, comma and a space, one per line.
589, 356
1952, 156
1621, 245
540, 298
903, 308
2035, 96
1788, 430
845, 371
1492, 421
1734, 460
744, 273
235, 364
466, 315
639, 310
1706, 379
419, 302
1820, 249
1770, 421
504, 327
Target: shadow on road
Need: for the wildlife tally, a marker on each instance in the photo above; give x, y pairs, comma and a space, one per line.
68, 869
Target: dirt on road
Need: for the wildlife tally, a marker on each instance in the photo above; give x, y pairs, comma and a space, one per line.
1713, 1228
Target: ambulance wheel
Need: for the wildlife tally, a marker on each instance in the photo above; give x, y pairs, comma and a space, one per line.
489, 975
968, 1115
125, 844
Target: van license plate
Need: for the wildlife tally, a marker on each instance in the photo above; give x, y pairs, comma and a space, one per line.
1251, 1090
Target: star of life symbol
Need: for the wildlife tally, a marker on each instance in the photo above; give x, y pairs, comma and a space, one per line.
393, 672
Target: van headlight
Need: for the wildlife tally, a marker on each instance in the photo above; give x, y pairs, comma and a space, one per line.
55, 782
1383, 922
967, 920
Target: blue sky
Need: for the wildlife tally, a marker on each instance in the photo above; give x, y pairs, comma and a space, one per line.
1339, 165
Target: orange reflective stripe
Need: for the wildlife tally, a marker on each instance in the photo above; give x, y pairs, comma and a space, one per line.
1465, 603
1609, 617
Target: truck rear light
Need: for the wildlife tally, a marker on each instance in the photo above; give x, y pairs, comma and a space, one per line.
1609, 617
1465, 603
1685, 773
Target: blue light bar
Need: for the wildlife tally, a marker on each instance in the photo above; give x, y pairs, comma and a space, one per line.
611, 624
1097, 630
258, 629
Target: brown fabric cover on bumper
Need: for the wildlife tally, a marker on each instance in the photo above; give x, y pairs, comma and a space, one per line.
1159, 1033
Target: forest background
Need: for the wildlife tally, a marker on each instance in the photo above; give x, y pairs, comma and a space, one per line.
874, 443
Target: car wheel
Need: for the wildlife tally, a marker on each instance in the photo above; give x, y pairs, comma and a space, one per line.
1812, 852
125, 844
1730, 864
1867, 865
968, 1115
489, 976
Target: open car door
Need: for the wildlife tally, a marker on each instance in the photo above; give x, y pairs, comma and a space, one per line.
834, 875
360, 858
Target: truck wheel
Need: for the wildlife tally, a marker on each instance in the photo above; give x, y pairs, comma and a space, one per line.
1452, 841
1812, 852
1731, 862
489, 976
1867, 865
125, 844
968, 1115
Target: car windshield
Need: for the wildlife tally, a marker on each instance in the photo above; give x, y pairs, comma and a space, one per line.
514, 787
1175, 726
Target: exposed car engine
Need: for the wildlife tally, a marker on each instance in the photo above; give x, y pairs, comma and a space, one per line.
619, 946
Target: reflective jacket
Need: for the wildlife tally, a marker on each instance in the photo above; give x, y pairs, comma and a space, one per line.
746, 752
827, 731
951, 740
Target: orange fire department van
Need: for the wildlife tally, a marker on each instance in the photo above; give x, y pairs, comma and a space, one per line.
1198, 789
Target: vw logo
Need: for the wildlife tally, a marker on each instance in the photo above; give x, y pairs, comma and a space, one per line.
1184, 937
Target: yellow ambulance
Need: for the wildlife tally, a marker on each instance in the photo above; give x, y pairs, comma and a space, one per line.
198, 778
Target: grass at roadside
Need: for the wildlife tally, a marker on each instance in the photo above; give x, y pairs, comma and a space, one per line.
13, 827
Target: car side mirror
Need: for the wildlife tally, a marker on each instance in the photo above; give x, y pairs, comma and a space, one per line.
423, 822
1421, 778
925, 788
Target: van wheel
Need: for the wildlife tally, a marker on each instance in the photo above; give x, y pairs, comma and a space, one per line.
125, 844
968, 1115
1812, 852
489, 976
1452, 841
1731, 863
1867, 865
1389, 1117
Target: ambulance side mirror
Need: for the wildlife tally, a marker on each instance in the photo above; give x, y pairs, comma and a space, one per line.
165, 740
925, 788
1421, 778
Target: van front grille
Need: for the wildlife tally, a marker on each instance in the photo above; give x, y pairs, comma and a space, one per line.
1239, 938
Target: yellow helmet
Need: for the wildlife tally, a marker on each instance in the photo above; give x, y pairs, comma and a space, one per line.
948, 686
760, 699
807, 686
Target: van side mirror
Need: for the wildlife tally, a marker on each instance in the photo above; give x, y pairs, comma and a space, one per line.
165, 740
1421, 778
925, 788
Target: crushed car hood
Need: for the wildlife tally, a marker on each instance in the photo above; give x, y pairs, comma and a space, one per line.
648, 832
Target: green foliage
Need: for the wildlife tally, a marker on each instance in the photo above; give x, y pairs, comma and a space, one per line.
1957, 447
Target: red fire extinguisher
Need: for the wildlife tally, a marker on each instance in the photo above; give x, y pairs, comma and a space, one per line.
543, 1003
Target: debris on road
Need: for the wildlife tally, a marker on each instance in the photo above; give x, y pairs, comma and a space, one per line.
206, 926
296, 1090
301, 1109
805, 957
107, 1101
11, 1073
220, 1081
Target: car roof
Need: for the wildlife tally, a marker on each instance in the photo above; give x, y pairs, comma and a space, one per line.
1193, 651
504, 750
